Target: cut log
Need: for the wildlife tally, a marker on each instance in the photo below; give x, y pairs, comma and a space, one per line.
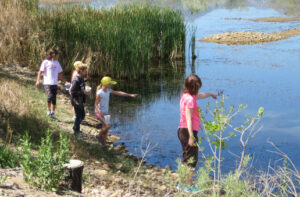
76, 169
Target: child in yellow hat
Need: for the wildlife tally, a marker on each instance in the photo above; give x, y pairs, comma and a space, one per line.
102, 105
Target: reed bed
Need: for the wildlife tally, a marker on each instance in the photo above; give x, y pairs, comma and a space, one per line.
15, 31
121, 41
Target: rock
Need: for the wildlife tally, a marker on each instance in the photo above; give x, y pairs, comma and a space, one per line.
117, 193
128, 194
119, 166
106, 193
105, 166
168, 167
95, 191
113, 138
96, 181
163, 188
119, 147
101, 172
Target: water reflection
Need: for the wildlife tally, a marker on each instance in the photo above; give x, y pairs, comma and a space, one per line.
259, 75
163, 83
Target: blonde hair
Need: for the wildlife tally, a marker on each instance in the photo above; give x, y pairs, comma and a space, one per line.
99, 86
80, 67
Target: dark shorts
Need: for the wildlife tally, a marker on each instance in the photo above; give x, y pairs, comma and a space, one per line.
188, 151
51, 91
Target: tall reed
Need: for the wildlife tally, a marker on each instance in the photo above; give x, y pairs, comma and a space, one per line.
20, 37
120, 41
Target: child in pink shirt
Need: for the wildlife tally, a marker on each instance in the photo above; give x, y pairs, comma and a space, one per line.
189, 118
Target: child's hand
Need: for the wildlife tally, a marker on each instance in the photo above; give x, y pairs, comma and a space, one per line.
37, 84
213, 95
133, 95
191, 142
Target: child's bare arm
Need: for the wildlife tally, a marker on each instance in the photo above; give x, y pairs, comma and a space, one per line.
188, 115
120, 93
204, 95
60, 77
37, 83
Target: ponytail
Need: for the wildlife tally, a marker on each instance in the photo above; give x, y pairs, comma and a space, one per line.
99, 87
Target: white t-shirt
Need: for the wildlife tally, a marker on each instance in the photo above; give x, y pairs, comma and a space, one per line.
51, 70
104, 101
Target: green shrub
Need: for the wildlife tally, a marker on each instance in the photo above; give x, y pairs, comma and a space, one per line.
45, 170
2, 179
7, 158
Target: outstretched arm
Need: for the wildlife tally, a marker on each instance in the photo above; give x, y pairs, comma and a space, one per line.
120, 93
204, 95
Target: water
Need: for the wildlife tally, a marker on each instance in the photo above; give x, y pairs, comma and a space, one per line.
258, 75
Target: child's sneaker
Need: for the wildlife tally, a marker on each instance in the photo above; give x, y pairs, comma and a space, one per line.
180, 187
193, 189
53, 115
48, 112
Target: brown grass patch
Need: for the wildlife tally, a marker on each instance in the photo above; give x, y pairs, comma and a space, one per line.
18, 37
63, 1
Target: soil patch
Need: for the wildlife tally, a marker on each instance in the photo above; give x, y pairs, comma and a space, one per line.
248, 38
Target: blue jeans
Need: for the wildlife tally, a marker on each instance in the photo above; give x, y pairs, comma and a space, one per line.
80, 114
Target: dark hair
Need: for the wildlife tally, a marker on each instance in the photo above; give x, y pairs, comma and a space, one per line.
52, 53
192, 84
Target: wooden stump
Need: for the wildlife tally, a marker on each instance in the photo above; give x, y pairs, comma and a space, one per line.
75, 168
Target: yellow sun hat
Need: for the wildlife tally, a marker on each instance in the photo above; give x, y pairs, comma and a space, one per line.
107, 80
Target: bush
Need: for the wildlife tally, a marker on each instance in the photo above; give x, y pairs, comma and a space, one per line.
282, 180
7, 158
45, 170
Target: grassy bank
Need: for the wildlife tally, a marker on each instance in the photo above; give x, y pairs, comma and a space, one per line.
121, 41
24, 111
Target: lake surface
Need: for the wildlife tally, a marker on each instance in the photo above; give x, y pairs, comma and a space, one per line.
265, 75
